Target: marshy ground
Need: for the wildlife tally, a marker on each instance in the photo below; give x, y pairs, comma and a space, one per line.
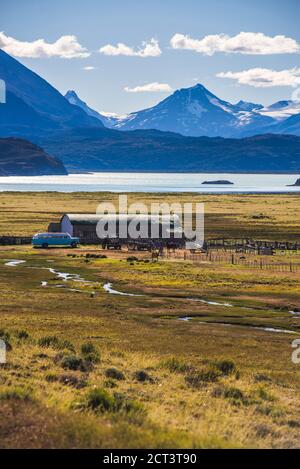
89, 368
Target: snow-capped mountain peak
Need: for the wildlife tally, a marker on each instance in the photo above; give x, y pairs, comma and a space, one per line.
194, 111
281, 109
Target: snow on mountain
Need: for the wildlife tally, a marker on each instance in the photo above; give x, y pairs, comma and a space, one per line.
245, 106
195, 112
281, 110
108, 119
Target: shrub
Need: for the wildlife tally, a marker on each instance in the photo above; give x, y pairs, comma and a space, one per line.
124, 404
51, 378
90, 353
87, 347
265, 395
142, 376
22, 335
233, 393
176, 365
54, 342
72, 362
262, 430
200, 378
49, 341
99, 399
92, 358
72, 380
262, 377
17, 393
132, 259
114, 374
226, 367
67, 345
110, 383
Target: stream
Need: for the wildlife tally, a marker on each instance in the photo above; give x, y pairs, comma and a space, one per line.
108, 288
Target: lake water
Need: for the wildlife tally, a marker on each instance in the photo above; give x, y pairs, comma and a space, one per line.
151, 182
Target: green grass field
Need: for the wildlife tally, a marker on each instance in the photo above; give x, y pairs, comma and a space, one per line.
87, 368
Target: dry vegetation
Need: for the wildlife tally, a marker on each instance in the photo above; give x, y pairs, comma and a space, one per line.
91, 369
260, 216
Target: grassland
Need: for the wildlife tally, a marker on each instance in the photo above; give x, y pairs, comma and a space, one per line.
87, 368
260, 216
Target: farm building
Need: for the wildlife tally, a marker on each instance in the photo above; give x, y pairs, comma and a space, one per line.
159, 228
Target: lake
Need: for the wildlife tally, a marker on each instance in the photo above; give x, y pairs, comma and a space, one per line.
151, 182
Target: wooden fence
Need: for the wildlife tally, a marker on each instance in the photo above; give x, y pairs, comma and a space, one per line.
261, 263
14, 240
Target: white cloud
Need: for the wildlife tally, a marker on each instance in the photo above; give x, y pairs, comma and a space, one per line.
243, 43
148, 49
264, 77
150, 88
89, 67
66, 47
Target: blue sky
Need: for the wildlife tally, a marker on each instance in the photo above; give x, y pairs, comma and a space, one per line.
97, 24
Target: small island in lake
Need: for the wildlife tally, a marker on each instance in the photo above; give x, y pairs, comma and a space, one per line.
297, 183
221, 182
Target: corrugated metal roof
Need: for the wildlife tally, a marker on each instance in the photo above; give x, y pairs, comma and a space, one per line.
92, 218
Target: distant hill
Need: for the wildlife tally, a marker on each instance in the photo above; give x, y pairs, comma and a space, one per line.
196, 112
33, 106
141, 150
19, 157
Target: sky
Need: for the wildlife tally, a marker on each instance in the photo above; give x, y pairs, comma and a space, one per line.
124, 55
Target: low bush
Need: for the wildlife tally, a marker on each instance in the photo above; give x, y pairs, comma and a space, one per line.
16, 393
232, 393
100, 400
200, 378
72, 380
72, 362
175, 365
54, 342
49, 341
110, 383
114, 374
265, 395
22, 335
262, 377
51, 378
142, 376
226, 367
90, 353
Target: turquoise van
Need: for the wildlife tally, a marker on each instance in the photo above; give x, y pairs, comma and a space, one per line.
45, 240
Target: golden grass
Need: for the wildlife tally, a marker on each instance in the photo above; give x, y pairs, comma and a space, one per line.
230, 215
255, 406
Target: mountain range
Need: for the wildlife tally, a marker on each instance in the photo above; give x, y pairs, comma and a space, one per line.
33, 105
191, 130
197, 112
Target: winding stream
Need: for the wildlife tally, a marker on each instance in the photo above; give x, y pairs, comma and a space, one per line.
108, 288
